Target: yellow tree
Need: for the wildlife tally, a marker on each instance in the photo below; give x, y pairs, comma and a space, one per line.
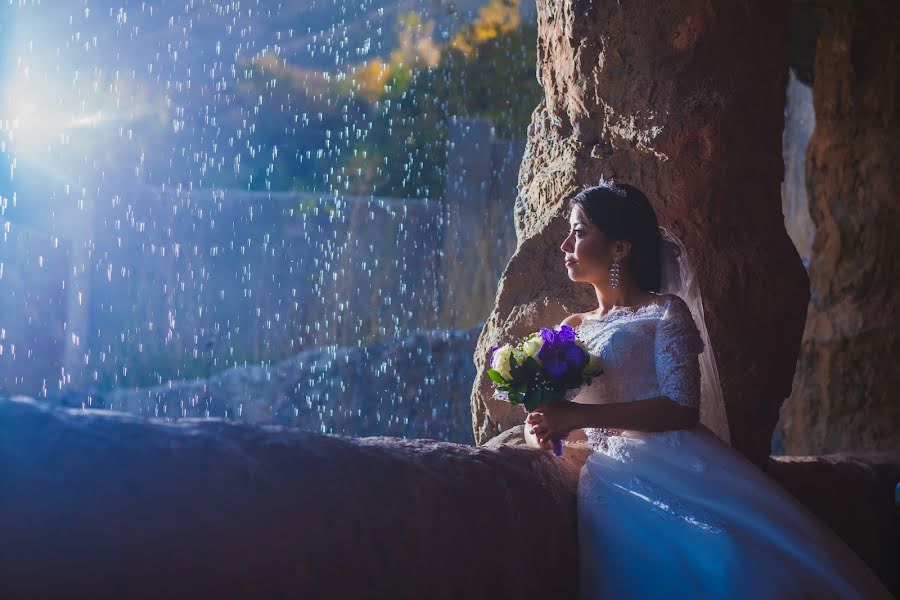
496, 18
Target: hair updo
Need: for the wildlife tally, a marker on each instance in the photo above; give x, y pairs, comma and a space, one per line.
622, 212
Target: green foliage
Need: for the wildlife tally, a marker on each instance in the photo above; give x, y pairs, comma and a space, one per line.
309, 205
381, 127
498, 82
408, 129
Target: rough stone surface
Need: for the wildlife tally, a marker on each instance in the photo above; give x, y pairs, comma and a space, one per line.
478, 234
414, 387
854, 495
685, 101
99, 505
845, 388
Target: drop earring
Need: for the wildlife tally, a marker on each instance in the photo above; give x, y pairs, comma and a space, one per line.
614, 273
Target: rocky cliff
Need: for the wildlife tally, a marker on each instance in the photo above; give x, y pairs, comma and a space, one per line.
685, 101
845, 388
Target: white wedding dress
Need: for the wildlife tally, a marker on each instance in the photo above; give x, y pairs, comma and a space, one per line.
680, 514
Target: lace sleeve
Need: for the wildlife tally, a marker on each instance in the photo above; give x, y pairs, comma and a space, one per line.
677, 345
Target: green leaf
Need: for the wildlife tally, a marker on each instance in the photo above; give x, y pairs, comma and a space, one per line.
532, 364
495, 376
533, 398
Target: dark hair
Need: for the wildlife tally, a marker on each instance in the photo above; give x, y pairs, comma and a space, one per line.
622, 212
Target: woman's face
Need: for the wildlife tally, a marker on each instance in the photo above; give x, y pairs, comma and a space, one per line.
588, 251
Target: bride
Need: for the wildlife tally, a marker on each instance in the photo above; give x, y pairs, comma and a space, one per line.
665, 508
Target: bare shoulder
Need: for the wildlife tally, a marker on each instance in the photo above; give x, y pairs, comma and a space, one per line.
573, 321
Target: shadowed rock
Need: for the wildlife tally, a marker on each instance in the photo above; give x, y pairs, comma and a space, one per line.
854, 494
105, 505
349, 390
845, 388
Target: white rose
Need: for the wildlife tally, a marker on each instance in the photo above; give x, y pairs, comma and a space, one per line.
593, 366
500, 361
532, 346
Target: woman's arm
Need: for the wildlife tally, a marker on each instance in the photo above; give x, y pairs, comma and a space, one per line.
659, 413
676, 346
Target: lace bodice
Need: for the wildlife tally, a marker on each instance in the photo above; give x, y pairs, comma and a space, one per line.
644, 352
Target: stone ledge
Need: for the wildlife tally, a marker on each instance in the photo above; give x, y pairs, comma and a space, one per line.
98, 504
107, 505
854, 494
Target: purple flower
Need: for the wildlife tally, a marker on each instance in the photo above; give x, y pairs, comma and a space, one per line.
560, 352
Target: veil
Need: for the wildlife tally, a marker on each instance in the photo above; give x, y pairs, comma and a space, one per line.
677, 277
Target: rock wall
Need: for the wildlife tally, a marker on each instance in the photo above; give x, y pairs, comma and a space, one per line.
179, 285
845, 388
478, 232
685, 101
174, 285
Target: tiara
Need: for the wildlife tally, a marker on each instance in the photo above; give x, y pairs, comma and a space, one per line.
611, 186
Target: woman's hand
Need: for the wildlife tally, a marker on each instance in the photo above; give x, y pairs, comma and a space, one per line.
550, 421
533, 442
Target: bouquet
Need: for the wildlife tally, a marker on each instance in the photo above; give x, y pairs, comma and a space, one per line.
542, 368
